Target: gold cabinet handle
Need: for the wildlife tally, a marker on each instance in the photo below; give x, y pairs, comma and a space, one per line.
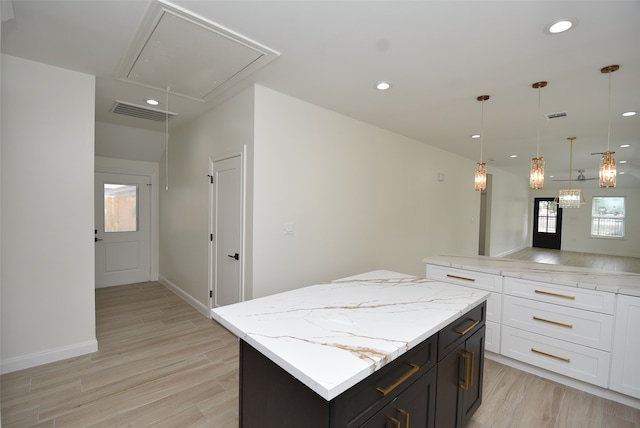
465, 383
472, 358
549, 293
384, 391
565, 359
468, 329
394, 421
460, 277
553, 322
406, 417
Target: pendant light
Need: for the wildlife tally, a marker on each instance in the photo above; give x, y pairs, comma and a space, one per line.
480, 179
608, 161
536, 177
569, 198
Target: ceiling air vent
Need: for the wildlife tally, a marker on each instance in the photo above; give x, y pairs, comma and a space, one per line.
141, 112
555, 115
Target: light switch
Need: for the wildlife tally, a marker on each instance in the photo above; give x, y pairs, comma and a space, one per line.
289, 228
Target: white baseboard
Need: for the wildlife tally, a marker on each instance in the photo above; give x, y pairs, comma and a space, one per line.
24, 362
515, 250
185, 296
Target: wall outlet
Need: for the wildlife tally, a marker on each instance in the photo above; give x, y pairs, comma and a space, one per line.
289, 229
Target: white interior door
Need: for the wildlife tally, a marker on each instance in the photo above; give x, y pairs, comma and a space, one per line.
122, 231
227, 231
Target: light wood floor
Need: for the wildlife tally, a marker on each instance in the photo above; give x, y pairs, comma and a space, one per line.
160, 363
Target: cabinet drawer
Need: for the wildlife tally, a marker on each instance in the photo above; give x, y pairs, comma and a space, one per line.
492, 337
461, 329
576, 361
574, 325
574, 297
353, 405
484, 281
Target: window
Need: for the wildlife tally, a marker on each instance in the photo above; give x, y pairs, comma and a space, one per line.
547, 216
120, 208
607, 216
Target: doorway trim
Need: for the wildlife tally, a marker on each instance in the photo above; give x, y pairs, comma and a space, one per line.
243, 216
120, 166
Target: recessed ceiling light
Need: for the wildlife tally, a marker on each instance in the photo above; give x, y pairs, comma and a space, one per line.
629, 113
551, 176
625, 145
152, 102
383, 86
623, 161
513, 156
621, 172
560, 26
475, 136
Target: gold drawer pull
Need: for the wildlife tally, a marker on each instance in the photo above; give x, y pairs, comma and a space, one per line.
564, 296
394, 385
406, 417
553, 322
468, 329
565, 359
460, 277
395, 422
465, 384
468, 357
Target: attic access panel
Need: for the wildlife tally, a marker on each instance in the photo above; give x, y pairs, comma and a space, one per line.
194, 57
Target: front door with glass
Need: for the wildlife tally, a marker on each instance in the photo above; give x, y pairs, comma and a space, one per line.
547, 224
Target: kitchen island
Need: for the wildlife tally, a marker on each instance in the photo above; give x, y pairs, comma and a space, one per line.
359, 351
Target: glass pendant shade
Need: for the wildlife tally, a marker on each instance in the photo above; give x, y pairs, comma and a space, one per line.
608, 170
481, 176
569, 198
536, 178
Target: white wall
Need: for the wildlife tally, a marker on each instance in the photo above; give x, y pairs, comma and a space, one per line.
576, 222
510, 213
361, 198
48, 307
184, 207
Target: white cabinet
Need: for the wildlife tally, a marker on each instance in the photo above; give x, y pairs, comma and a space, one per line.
562, 329
579, 332
625, 364
480, 281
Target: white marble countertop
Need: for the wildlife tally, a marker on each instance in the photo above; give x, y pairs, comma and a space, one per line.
610, 281
331, 336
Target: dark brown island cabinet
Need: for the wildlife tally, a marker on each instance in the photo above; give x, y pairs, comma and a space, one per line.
436, 384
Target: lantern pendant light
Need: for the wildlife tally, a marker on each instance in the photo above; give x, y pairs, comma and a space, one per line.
536, 177
480, 179
569, 198
608, 162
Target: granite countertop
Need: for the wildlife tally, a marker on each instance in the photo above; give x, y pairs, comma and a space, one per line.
331, 336
610, 281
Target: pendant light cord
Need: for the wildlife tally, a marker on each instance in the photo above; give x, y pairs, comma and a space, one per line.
482, 131
166, 143
538, 148
609, 129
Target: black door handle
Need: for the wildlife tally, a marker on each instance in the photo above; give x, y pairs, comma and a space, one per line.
235, 256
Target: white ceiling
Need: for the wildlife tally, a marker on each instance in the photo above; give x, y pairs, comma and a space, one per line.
438, 55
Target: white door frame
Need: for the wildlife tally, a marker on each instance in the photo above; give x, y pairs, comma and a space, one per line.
212, 223
153, 210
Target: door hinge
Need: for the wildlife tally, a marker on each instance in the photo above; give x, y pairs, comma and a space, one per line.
211, 237
210, 178
210, 294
